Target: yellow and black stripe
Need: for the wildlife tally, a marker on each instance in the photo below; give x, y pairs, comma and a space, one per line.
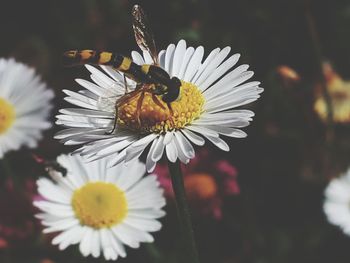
117, 61
169, 87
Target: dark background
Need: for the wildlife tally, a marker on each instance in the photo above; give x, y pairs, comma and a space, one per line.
289, 155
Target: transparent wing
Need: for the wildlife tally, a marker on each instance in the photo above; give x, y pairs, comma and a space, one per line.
143, 33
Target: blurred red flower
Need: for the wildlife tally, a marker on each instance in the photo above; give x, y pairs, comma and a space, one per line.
17, 223
207, 182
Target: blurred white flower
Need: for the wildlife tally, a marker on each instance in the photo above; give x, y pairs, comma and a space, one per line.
24, 106
337, 202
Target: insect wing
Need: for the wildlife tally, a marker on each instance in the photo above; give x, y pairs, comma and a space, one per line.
143, 33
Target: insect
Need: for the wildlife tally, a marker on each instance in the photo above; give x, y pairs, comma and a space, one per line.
150, 78
50, 166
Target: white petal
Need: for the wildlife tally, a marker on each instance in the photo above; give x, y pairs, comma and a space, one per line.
61, 225
116, 75
137, 58
178, 57
185, 146
169, 57
187, 56
213, 65
118, 245
194, 63
202, 130
91, 86
205, 64
219, 72
95, 246
196, 139
161, 58
226, 81
158, 149
171, 151
146, 213
106, 245
168, 137
148, 225
148, 58
130, 175
86, 244
228, 131
149, 162
69, 237
218, 142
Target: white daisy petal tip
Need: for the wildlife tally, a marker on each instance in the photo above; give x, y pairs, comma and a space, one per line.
25, 106
90, 68
211, 89
138, 203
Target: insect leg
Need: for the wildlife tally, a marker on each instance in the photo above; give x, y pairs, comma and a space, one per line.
170, 108
125, 84
122, 100
127, 97
114, 125
157, 101
138, 108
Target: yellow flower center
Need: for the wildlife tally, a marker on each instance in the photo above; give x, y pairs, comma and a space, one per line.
339, 92
7, 115
154, 115
99, 205
200, 186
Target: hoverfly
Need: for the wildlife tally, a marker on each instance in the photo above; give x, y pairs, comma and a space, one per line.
149, 78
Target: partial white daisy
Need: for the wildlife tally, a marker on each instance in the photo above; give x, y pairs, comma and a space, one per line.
211, 90
337, 202
98, 208
24, 106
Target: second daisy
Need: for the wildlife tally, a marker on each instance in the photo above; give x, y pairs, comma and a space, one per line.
100, 209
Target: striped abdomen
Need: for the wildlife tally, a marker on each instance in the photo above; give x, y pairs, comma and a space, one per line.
117, 61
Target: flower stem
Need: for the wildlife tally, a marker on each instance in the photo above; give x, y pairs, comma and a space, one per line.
318, 57
183, 212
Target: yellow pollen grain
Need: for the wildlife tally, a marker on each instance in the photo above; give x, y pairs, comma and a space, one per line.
99, 205
7, 115
153, 118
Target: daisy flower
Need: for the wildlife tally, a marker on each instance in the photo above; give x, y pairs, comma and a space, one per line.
211, 90
336, 204
339, 92
101, 209
207, 181
24, 106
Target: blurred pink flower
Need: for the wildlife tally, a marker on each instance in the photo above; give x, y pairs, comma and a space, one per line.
207, 182
17, 224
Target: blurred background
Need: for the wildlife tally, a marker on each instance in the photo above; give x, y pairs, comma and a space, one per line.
299, 50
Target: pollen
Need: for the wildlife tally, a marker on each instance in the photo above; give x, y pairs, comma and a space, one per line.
152, 114
99, 205
200, 186
7, 115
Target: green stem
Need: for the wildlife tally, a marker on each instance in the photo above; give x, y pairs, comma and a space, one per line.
153, 252
183, 212
319, 66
